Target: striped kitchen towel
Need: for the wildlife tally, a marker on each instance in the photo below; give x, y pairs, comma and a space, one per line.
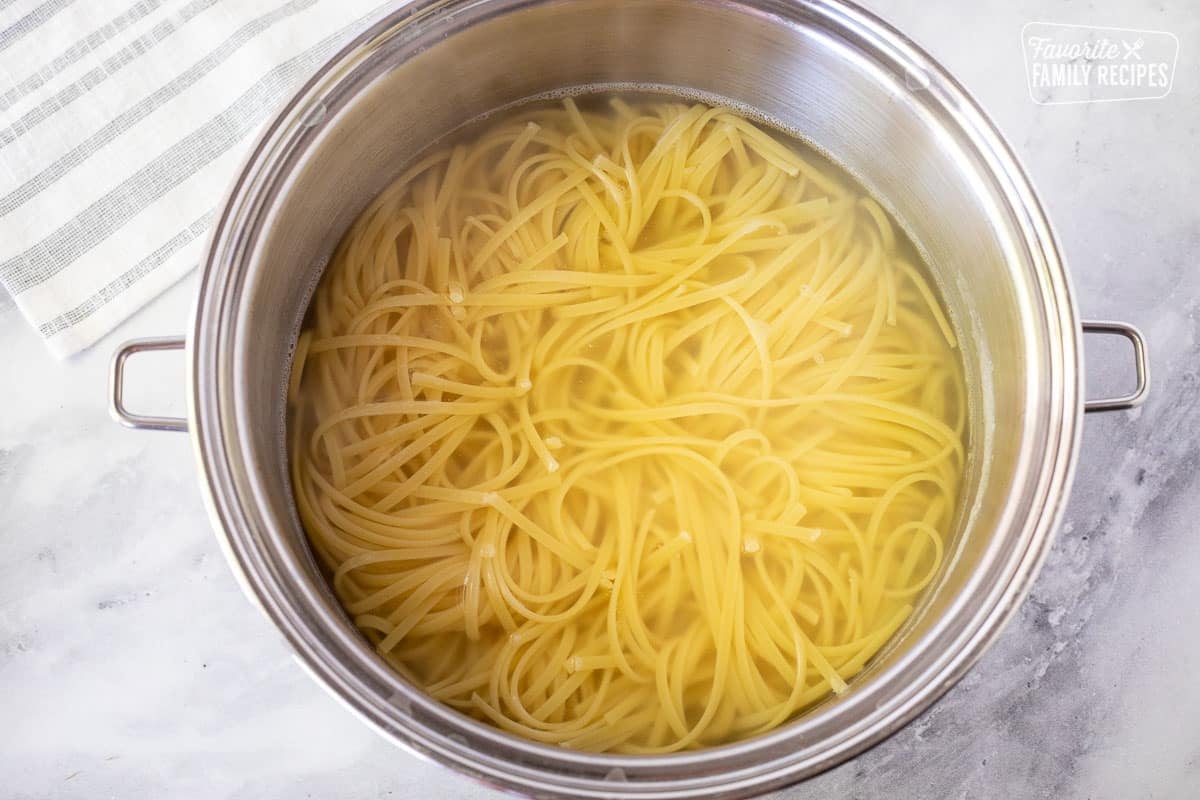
121, 123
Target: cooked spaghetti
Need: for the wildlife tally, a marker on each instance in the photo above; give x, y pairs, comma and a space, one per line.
626, 429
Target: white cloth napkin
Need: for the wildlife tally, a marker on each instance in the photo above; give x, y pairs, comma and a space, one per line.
121, 123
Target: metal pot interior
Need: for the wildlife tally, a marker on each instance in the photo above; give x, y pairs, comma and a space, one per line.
828, 74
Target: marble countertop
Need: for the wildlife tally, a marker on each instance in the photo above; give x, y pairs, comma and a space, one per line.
131, 665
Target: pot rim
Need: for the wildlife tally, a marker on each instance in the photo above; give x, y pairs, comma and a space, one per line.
791, 752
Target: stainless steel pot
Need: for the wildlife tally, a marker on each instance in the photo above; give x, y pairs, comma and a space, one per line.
829, 72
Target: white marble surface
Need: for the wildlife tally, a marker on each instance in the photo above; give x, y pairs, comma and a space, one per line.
131, 666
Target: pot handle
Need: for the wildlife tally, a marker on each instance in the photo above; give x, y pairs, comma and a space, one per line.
116, 385
116, 382
1141, 364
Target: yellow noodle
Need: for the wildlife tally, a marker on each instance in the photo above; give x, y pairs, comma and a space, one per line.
628, 430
